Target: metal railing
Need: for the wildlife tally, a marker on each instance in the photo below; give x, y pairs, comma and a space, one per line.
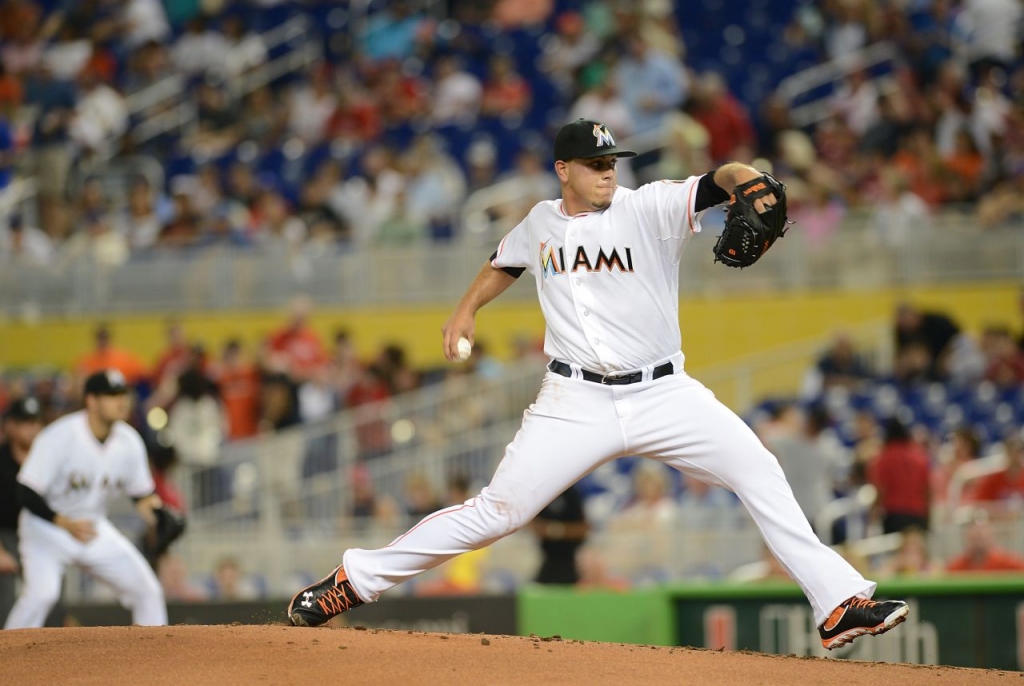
807, 81
945, 251
175, 115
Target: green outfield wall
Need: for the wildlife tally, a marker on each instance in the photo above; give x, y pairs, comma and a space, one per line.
967, 622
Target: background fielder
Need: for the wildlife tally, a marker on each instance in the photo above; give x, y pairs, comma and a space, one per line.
73, 468
605, 260
21, 424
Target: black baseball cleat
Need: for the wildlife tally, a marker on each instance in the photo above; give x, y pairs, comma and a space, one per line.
318, 603
861, 616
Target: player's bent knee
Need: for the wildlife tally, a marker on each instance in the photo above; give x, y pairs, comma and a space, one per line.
501, 518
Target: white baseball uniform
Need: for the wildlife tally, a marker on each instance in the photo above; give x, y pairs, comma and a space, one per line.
608, 284
76, 474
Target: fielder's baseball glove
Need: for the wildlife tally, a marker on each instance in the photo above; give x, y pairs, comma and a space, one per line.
748, 234
169, 527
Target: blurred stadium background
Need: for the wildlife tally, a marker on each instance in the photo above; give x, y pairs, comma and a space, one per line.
263, 211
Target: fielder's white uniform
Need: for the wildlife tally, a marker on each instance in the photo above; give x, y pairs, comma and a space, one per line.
608, 283
76, 474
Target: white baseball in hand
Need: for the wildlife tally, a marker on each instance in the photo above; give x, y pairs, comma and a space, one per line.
465, 348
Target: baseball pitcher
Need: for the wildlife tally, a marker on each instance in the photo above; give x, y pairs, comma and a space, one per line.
605, 261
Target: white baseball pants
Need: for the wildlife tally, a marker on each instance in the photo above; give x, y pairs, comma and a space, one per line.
575, 426
47, 550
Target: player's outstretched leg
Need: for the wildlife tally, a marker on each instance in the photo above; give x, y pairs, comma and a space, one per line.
318, 603
716, 446
861, 617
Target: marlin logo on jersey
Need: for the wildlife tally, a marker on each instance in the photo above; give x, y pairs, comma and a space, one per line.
603, 136
109, 483
552, 261
78, 482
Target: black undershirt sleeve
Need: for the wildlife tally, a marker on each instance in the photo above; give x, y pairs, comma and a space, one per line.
34, 503
709, 193
514, 272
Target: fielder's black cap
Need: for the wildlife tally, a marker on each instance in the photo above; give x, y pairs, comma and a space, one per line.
585, 138
24, 410
106, 382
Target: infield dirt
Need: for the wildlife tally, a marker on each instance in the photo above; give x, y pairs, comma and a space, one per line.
237, 654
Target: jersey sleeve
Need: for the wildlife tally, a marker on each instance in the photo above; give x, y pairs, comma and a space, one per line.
670, 207
42, 465
139, 480
514, 249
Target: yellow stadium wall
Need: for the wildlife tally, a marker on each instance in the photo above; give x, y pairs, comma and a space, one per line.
715, 329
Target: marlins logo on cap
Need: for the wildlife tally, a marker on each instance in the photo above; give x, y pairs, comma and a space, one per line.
106, 382
603, 135
585, 138
24, 410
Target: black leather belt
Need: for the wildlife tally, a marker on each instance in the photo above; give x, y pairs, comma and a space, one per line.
611, 379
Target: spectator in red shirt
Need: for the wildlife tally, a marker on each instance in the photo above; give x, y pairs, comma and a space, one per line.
238, 382
901, 475
1004, 361
373, 431
1007, 484
981, 554
724, 117
296, 349
175, 357
105, 356
505, 91
162, 460
966, 446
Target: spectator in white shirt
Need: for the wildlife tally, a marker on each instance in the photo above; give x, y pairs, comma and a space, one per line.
311, 106
101, 115
243, 50
199, 50
24, 244
144, 20
457, 93
602, 103
68, 54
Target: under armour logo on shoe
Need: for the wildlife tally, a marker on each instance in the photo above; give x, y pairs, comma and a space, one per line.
307, 599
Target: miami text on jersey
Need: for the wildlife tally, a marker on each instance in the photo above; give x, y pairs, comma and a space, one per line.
83, 482
552, 261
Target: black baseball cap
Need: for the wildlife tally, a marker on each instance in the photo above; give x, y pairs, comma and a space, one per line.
25, 409
106, 382
585, 138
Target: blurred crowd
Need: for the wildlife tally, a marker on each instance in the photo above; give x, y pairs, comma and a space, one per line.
406, 114
197, 400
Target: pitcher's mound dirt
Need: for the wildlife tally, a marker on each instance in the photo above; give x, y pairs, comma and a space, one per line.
226, 655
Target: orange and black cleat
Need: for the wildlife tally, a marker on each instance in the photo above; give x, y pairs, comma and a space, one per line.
318, 603
860, 617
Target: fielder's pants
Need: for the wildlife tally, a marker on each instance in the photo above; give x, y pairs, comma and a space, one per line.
575, 426
47, 550
9, 539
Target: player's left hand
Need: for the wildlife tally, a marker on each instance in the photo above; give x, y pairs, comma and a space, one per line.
167, 528
8, 565
761, 203
756, 218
